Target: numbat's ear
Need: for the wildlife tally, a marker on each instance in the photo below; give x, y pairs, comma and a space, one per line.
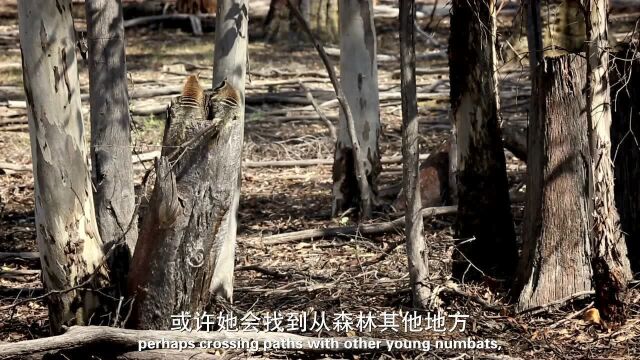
192, 92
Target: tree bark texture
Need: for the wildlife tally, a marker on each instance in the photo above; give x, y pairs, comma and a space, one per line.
625, 127
177, 258
484, 223
417, 251
321, 15
67, 235
556, 259
359, 81
111, 134
611, 268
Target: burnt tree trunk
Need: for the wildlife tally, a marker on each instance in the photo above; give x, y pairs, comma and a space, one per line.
359, 79
70, 247
321, 15
175, 260
484, 223
111, 134
625, 127
611, 269
417, 251
556, 260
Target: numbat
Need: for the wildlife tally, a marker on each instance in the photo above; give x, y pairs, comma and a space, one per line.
434, 181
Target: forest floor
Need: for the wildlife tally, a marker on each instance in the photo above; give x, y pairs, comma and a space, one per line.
346, 273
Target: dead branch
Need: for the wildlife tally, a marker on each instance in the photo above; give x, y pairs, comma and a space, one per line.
87, 338
14, 167
19, 255
148, 156
332, 129
366, 201
365, 229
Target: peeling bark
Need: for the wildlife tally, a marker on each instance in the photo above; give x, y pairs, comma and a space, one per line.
556, 256
111, 135
484, 213
67, 235
359, 79
611, 269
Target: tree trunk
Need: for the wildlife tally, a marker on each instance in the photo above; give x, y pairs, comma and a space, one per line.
186, 251
359, 80
611, 269
321, 15
555, 260
484, 212
417, 251
230, 60
183, 244
625, 94
67, 235
111, 135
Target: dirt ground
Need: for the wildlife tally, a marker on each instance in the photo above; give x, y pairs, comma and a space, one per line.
352, 274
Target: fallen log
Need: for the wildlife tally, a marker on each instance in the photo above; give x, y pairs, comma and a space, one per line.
20, 255
92, 338
364, 229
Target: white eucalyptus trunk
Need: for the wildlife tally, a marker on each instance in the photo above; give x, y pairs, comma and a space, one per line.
67, 235
359, 81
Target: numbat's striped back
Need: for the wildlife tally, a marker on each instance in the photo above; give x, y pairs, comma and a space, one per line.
225, 94
192, 93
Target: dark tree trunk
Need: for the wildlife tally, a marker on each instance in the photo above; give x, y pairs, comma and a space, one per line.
359, 80
484, 212
417, 251
71, 252
111, 134
556, 260
321, 15
611, 269
625, 129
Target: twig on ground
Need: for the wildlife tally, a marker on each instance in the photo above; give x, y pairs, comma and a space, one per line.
365, 229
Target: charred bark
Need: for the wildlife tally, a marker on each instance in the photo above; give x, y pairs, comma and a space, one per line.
484, 224
67, 235
111, 135
359, 79
556, 258
625, 127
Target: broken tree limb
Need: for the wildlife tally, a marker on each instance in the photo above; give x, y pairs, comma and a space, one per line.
365, 229
20, 255
332, 129
88, 338
139, 158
